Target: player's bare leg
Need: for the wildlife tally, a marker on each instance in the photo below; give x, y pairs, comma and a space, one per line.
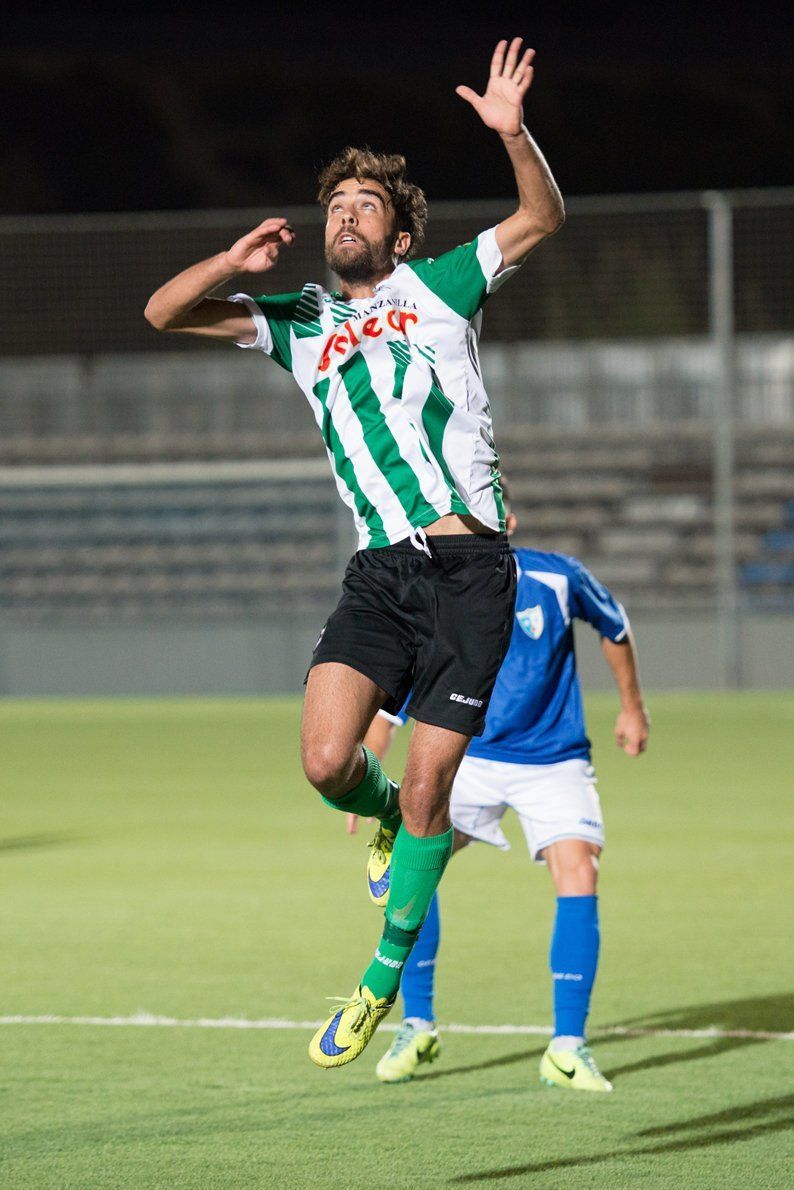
338, 709
434, 756
573, 864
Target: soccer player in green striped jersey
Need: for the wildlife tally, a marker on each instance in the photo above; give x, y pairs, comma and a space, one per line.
389, 365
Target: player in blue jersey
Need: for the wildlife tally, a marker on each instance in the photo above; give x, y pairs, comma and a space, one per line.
534, 758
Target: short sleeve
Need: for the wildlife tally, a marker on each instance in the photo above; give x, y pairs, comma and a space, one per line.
591, 601
272, 317
399, 718
464, 277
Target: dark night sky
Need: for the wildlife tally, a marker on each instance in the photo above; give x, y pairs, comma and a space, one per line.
118, 111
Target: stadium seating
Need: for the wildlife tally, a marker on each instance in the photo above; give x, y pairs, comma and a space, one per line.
770, 572
635, 504
638, 507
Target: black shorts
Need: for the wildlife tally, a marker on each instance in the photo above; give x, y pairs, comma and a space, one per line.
436, 625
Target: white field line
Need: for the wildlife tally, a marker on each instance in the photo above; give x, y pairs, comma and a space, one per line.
147, 1020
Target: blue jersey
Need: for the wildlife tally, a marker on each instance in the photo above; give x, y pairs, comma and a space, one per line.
536, 714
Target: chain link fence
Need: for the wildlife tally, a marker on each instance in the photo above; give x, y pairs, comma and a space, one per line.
622, 268
640, 365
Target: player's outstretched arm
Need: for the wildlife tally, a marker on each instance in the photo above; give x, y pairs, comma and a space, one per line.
632, 724
183, 304
541, 211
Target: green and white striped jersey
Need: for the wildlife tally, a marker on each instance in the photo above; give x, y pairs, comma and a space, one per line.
395, 386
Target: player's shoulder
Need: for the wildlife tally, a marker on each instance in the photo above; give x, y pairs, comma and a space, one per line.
420, 264
544, 562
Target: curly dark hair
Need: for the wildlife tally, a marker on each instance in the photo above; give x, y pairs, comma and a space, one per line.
410, 204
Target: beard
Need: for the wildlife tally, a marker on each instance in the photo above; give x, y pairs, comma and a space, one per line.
358, 264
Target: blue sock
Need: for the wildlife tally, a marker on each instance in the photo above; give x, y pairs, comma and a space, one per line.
420, 968
573, 960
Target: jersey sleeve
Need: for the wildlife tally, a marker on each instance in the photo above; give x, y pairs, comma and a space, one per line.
399, 718
591, 601
464, 277
273, 316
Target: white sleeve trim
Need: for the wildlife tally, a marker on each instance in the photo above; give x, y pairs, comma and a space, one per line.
395, 719
264, 337
626, 625
490, 259
559, 585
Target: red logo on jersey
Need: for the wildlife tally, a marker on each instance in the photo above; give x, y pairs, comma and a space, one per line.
344, 340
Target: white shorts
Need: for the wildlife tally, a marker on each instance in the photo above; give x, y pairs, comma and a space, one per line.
552, 801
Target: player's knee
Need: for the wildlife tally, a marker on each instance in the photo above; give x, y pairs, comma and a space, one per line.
327, 767
574, 870
587, 875
425, 808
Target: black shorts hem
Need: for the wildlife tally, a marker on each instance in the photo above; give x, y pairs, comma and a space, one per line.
434, 720
352, 663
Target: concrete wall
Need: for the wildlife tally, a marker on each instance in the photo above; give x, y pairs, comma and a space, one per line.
677, 651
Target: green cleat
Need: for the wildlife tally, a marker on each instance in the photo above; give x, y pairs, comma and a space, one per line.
410, 1048
347, 1033
379, 865
574, 1069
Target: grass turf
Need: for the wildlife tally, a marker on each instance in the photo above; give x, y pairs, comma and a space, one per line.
168, 857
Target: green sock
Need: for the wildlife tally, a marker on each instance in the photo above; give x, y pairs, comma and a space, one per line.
375, 796
417, 866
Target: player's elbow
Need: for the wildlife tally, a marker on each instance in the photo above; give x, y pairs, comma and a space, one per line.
155, 316
559, 218
549, 221
158, 317
534, 228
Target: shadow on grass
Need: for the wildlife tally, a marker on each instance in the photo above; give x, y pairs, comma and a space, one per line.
765, 1014
35, 842
751, 1120
491, 1064
720, 1045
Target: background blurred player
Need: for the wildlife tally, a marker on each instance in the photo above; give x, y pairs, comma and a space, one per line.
535, 759
389, 366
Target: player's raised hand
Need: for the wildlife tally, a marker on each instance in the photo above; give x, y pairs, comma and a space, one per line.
501, 107
258, 251
631, 731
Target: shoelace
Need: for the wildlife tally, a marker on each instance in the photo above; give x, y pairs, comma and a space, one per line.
403, 1039
360, 1002
584, 1053
378, 845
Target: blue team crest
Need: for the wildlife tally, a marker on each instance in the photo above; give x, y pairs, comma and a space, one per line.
531, 621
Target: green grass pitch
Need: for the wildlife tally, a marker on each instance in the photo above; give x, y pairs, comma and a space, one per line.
167, 857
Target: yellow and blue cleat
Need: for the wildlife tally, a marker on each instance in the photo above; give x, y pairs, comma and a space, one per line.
574, 1069
379, 865
347, 1033
410, 1049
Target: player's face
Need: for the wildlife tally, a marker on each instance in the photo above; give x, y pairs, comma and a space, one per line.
359, 233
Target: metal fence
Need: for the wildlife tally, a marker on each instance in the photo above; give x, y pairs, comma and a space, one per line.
640, 365
623, 267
